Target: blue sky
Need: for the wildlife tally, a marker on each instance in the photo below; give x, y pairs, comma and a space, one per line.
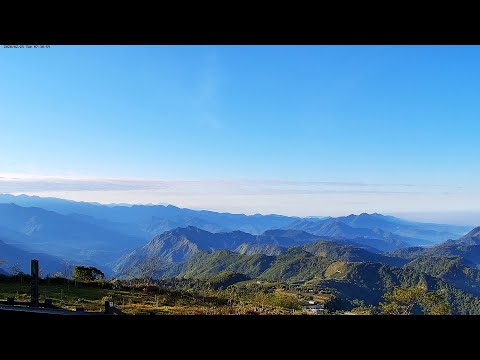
303, 130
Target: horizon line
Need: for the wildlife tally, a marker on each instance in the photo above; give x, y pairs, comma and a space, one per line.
126, 204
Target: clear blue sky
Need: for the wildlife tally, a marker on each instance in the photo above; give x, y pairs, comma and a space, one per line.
380, 117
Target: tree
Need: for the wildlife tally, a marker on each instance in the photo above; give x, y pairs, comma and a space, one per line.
403, 301
435, 303
147, 268
129, 273
15, 269
141, 272
87, 273
364, 310
2, 262
66, 269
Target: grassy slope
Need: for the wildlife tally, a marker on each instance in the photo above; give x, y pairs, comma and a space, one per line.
144, 299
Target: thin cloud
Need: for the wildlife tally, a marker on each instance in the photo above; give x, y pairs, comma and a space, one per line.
195, 187
250, 196
208, 94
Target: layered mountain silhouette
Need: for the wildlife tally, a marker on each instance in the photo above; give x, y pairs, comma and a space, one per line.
359, 257
155, 219
151, 220
353, 272
13, 257
396, 231
337, 229
182, 244
472, 238
467, 247
432, 233
62, 235
101, 234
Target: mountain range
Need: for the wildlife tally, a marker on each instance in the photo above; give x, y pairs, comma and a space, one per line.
17, 258
102, 234
67, 236
358, 257
181, 244
354, 273
151, 220
467, 247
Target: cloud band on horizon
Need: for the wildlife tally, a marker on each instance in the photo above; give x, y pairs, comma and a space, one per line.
288, 197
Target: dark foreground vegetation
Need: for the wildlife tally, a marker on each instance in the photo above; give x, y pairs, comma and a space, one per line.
225, 293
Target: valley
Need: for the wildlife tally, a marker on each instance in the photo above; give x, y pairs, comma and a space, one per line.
357, 259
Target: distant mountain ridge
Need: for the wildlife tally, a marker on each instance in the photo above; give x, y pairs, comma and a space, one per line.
151, 215
62, 235
155, 219
380, 226
337, 229
472, 238
467, 247
13, 255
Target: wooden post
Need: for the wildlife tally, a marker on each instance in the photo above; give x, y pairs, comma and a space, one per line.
48, 302
35, 292
10, 301
108, 307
